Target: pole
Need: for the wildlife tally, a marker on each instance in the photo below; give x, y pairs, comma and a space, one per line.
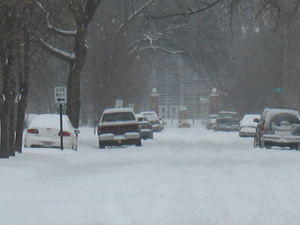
61, 128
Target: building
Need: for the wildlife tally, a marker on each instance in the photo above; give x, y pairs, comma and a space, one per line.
180, 87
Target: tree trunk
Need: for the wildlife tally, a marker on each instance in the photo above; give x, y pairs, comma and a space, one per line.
24, 80
73, 89
6, 123
7, 60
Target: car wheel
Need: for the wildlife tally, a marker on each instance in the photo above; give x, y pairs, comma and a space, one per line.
256, 141
151, 136
101, 145
261, 143
138, 143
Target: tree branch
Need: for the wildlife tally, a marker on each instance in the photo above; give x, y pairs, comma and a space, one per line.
136, 13
153, 38
190, 12
3, 3
160, 48
69, 57
52, 28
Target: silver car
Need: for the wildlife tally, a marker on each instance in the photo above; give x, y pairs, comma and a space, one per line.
279, 127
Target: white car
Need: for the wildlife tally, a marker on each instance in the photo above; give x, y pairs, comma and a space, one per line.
44, 131
154, 120
247, 126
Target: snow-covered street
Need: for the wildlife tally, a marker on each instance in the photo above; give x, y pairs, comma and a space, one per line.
187, 176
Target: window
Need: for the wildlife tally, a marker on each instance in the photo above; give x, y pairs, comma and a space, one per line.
112, 117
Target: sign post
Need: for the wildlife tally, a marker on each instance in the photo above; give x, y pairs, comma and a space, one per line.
60, 98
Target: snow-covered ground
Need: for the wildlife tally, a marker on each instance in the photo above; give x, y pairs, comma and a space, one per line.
186, 176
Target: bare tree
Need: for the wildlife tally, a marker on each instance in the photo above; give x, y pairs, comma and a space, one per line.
14, 56
82, 13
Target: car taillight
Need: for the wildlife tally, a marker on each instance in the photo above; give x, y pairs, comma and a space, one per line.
33, 131
137, 128
99, 130
65, 134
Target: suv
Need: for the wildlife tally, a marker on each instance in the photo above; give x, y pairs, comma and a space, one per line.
118, 126
278, 127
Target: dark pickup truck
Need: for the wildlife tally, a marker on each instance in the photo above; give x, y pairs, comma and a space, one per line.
119, 126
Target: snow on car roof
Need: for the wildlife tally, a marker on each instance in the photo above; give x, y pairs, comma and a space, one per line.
273, 111
229, 112
148, 112
139, 115
251, 116
248, 120
50, 121
150, 115
118, 110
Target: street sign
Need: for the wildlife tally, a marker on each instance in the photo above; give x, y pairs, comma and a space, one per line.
60, 98
119, 103
278, 90
60, 95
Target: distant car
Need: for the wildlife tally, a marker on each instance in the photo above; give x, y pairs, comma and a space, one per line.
44, 131
247, 126
162, 123
278, 127
117, 127
146, 128
184, 124
228, 114
211, 121
154, 120
227, 121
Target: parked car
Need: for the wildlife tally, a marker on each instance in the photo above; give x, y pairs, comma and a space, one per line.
146, 129
227, 121
247, 126
211, 121
162, 123
184, 124
117, 127
278, 127
44, 131
154, 120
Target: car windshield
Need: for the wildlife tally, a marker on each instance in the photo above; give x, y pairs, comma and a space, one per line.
227, 119
230, 115
122, 116
278, 118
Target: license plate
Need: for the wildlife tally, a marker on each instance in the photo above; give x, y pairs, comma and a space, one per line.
47, 144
